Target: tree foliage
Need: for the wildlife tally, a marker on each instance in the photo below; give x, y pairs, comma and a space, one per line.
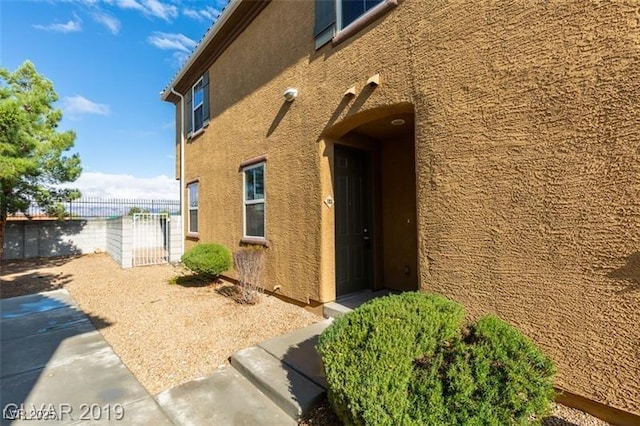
33, 153
135, 209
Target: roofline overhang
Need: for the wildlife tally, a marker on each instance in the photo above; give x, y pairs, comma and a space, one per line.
234, 19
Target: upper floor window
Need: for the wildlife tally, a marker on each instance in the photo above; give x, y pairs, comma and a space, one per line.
350, 10
197, 106
338, 19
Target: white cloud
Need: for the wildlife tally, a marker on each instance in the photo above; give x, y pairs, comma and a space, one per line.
179, 58
152, 8
207, 13
170, 41
109, 21
191, 13
105, 185
130, 4
160, 10
76, 105
70, 27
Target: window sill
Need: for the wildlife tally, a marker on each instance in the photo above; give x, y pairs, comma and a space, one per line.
192, 236
363, 21
256, 241
194, 135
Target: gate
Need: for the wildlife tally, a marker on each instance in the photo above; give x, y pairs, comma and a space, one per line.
150, 238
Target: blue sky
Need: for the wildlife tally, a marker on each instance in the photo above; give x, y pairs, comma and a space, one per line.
108, 60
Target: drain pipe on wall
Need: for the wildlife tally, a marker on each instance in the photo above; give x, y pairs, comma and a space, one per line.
182, 209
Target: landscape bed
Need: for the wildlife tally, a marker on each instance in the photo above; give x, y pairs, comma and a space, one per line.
168, 334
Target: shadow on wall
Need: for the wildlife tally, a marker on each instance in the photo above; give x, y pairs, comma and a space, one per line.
630, 272
39, 334
28, 276
43, 238
55, 239
278, 118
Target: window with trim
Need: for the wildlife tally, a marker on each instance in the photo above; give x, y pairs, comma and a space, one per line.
197, 106
192, 200
348, 11
254, 201
333, 16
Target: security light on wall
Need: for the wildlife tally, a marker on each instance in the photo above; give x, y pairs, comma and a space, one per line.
290, 94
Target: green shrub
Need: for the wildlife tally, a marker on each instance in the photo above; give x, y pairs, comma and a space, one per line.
409, 359
208, 259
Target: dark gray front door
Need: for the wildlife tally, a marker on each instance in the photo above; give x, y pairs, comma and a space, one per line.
353, 219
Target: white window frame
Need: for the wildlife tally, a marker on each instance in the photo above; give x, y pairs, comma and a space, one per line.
262, 200
194, 107
339, 26
190, 208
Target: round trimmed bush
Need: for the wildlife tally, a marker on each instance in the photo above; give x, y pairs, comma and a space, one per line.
409, 359
208, 259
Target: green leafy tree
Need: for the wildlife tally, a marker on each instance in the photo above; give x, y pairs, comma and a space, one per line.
136, 209
33, 153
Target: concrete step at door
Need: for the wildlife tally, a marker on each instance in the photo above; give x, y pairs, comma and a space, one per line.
224, 398
294, 393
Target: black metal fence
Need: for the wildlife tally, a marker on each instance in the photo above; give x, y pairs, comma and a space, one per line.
108, 207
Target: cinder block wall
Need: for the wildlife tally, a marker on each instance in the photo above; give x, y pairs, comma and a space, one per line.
27, 239
175, 246
114, 239
119, 240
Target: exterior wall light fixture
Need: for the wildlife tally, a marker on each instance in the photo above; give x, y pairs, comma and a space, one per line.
290, 94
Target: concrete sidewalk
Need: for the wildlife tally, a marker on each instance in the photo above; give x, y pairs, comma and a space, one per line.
56, 367
273, 383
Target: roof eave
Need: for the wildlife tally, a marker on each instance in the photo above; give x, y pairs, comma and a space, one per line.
166, 94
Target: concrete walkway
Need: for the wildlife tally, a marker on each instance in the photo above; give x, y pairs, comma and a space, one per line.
57, 368
53, 357
273, 383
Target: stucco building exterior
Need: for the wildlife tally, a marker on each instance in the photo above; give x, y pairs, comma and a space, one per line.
487, 151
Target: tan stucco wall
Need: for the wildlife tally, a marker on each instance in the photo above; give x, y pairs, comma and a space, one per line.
529, 179
527, 162
399, 214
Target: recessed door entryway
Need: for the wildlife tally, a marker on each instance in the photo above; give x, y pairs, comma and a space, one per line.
371, 209
354, 252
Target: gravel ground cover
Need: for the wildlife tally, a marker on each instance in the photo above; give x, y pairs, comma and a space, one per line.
322, 415
165, 334
168, 334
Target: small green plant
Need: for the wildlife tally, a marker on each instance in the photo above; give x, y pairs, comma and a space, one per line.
208, 259
410, 359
